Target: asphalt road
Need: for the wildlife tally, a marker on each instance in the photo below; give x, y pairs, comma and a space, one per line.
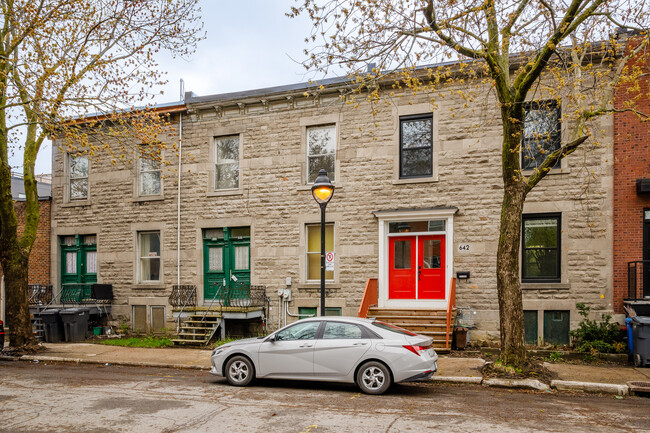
78, 398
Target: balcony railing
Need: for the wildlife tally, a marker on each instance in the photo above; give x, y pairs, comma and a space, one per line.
84, 294
39, 294
638, 280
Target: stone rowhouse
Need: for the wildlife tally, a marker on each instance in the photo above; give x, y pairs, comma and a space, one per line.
417, 199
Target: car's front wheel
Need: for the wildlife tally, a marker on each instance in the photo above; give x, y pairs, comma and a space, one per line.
373, 378
239, 371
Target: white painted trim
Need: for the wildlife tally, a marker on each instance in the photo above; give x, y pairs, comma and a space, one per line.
414, 215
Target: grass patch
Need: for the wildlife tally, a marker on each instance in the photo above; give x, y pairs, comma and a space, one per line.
138, 342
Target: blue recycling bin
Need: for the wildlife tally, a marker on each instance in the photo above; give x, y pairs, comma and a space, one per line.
630, 335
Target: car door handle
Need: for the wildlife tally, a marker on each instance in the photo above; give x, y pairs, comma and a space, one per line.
359, 344
305, 345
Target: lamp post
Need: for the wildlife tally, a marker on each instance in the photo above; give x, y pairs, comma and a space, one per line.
322, 190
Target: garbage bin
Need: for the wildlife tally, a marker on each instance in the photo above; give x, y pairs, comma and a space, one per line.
52, 326
641, 344
460, 338
75, 323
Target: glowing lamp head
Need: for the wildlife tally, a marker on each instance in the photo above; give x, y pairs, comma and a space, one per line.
322, 189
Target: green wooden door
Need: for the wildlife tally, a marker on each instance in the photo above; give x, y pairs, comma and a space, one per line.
226, 259
78, 266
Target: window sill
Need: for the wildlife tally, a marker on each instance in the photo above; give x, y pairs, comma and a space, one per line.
316, 286
77, 203
148, 198
225, 192
149, 286
553, 171
545, 286
414, 180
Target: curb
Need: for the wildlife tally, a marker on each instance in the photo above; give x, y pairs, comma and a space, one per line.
458, 379
532, 384
121, 363
608, 388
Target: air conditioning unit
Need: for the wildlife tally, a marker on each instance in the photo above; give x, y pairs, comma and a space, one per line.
642, 186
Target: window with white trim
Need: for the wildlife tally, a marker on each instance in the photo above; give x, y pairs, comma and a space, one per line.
78, 176
149, 173
226, 162
313, 250
542, 133
321, 151
149, 256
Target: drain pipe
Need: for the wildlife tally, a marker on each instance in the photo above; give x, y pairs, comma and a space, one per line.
178, 210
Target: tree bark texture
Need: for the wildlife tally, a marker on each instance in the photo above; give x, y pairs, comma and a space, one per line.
511, 316
17, 308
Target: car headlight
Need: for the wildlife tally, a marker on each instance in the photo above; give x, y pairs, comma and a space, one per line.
218, 350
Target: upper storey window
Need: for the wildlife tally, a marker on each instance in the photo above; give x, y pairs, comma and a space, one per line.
78, 176
321, 151
416, 146
542, 133
226, 164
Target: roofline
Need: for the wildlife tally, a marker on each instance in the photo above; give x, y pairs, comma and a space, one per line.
167, 107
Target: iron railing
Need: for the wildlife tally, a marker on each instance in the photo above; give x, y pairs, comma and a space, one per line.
39, 294
84, 294
183, 295
638, 280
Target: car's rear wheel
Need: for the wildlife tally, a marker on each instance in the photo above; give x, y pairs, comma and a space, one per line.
239, 371
373, 378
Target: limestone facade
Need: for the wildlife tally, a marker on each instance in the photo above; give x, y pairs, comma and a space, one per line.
274, 199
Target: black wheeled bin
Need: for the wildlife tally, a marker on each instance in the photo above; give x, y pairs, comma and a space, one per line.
75, 323
641, 343
52, 326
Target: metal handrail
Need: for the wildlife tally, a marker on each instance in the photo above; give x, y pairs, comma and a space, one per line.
180, 313
217, 293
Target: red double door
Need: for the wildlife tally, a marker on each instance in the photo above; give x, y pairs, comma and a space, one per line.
416, 267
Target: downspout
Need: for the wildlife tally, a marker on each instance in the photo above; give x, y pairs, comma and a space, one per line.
178, 210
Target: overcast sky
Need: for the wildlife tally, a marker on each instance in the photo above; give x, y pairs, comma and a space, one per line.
250, 44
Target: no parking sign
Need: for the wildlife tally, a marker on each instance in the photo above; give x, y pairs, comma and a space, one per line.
329, 261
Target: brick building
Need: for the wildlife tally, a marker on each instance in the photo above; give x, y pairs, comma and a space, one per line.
39, 259
631, 198
417, 199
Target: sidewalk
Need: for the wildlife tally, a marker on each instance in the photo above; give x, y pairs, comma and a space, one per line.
609, 378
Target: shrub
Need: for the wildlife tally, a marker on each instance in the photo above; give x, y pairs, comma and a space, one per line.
592, 336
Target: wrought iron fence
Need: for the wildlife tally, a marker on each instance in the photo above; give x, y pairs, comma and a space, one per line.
183, 295
81, 294
638, 279
39, 294
242, 296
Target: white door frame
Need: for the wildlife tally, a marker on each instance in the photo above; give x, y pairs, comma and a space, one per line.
389, 216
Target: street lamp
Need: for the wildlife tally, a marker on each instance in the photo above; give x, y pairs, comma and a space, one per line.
322, 190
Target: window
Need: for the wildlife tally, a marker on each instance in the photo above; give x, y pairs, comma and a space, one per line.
341, 331
299, 331
321, 151
149, 245
542, 133
304, 312
313, 250
157, 318
416, 146
226, 162
541, 248
149, 173
78, 176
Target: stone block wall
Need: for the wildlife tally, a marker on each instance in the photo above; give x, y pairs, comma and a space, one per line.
275, 201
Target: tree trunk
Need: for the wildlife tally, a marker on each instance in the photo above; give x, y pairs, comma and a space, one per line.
511, 317
19, 325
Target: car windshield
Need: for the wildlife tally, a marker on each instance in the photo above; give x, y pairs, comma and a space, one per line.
392, 328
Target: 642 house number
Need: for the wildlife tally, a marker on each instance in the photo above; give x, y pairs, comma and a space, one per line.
463, 247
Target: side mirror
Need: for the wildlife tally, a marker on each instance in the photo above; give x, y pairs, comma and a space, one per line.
271, 338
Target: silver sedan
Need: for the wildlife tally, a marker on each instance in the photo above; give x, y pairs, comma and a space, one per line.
367, 352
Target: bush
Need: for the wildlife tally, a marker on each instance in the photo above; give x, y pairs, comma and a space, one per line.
592, 336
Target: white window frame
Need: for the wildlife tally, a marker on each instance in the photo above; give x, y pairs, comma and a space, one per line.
140, 258
330, 174
70, 157
307, 252
215, 163
142, 171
